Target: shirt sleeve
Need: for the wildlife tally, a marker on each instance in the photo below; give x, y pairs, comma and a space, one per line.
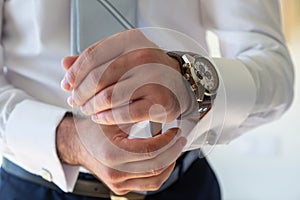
28, 129
255, 66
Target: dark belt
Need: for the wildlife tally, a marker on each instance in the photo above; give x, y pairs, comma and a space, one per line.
95, 188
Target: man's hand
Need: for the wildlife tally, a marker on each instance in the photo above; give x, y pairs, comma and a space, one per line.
126, 79
122, 164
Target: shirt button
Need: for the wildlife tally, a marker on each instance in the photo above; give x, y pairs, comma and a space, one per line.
45, 174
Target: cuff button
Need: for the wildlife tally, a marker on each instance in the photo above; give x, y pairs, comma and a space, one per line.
45, 174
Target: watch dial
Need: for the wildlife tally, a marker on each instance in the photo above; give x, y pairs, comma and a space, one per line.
207, 74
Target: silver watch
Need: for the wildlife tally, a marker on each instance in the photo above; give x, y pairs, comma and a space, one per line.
201, 74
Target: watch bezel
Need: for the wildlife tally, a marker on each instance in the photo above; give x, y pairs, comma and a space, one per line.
207, 92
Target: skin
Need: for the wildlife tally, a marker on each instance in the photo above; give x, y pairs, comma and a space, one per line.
92, 79
73, 151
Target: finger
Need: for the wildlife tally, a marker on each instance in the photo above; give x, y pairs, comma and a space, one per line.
124, 150
115, 176
151, 98
106, 99
162, 160
111, 146
113, 72
98, 79
123, 102
136, 111
147, 146
128, 90
66, 64
105, 51
89, 87
92, 57
151, 183
140, 148
116, 95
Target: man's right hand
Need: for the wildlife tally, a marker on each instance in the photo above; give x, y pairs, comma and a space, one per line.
123, 164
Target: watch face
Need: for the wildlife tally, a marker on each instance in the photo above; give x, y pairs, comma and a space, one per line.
207, 74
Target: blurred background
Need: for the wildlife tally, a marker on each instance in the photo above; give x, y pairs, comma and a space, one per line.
265, 163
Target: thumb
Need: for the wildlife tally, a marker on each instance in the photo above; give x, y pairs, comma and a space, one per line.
151, 145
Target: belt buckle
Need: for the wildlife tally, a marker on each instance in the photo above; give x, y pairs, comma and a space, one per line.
128, 196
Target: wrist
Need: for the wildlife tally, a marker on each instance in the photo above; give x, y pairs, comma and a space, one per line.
189, 106
175, 64
67, 141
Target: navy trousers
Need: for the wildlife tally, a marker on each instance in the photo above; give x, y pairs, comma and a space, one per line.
198, 183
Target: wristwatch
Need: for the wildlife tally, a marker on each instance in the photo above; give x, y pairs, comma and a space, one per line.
202, 76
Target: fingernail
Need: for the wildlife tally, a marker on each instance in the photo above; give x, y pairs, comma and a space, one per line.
69, 79
65, 85
71, 102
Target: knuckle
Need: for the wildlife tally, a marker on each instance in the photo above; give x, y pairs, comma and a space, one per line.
106, 97
113, 176
118, 191
150, 149
94, 106
109, 159
157, 185
87, 60
93, 81
88, 52
89, 107
156, 172
71, 74
135, 33
146, 55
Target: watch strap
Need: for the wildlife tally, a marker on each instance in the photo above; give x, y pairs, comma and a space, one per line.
178, 56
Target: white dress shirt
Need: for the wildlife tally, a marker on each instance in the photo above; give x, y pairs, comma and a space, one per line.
255, 67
